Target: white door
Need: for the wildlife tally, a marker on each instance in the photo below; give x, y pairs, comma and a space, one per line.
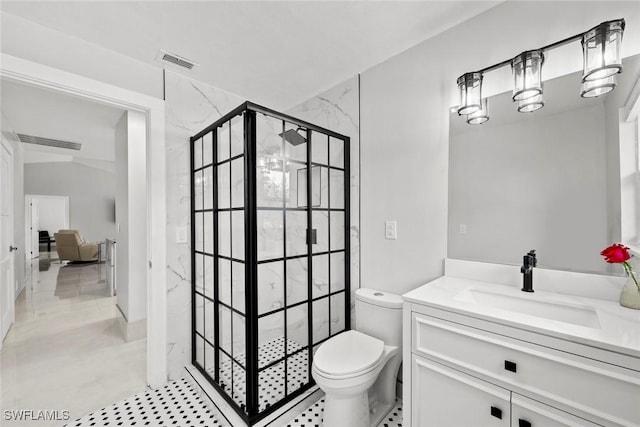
7, 288
34, 226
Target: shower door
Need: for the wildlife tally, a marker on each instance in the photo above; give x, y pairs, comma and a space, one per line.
270, 259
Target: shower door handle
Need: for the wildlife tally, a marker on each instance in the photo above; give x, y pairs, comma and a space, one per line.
312, 236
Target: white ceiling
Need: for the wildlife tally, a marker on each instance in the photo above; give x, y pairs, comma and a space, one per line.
277, 53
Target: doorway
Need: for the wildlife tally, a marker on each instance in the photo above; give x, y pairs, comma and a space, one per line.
37, 75
43, 213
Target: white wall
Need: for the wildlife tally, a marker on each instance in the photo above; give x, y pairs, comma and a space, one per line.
131, 211
404, 125
91, 193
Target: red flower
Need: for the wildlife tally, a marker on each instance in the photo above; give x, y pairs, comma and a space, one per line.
616, 253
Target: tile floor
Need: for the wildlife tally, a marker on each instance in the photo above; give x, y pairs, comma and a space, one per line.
178, 404
312, 417
64, 352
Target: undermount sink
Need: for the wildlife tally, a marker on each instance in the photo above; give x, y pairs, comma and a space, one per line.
532, 305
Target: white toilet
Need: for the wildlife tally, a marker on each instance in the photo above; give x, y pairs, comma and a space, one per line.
357, 369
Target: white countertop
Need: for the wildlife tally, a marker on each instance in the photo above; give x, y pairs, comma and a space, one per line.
618, 327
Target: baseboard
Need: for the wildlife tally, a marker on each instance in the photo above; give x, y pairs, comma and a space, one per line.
227, 417
131, 331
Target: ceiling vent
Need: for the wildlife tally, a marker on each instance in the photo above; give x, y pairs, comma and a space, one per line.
30, 139
176, 60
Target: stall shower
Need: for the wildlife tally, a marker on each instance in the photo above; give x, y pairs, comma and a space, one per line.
270, 253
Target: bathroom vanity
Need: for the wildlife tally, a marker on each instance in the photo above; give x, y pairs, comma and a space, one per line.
480, 353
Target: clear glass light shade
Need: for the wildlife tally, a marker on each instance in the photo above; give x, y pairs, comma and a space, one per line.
530, 104
593, 88
470, 90
601, 50
480, 116
527, 74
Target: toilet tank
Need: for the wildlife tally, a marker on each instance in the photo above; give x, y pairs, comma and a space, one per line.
379, 314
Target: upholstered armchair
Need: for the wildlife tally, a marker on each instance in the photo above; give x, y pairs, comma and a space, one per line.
71, 246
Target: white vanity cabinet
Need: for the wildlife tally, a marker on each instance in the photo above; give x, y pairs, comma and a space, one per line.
468, 371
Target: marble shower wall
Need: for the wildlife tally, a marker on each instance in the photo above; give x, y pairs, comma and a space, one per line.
190, 107
338, 109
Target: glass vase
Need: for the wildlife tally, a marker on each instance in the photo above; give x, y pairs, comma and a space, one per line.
630, 294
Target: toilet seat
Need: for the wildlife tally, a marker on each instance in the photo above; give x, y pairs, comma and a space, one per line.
348, 355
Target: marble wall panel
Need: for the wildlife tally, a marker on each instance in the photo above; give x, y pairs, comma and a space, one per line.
338, 109
190, 107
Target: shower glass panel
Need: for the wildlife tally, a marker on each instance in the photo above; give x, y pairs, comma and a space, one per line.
270, 254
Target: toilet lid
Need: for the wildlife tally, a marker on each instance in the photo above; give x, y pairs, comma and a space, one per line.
348, 353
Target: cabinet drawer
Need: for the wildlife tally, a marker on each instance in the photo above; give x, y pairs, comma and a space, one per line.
590, 388
444, 397
529, 413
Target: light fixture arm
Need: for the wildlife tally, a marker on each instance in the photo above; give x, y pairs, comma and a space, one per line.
543, 49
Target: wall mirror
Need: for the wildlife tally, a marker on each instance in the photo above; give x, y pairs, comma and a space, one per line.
545, 180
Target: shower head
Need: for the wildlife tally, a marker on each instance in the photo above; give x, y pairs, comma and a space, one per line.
293, 137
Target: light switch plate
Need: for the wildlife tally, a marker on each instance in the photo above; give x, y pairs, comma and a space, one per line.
391, 230
181, 234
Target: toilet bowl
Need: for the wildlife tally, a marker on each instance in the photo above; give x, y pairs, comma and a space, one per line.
358, 371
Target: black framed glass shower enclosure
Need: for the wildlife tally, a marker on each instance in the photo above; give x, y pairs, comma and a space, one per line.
270, 253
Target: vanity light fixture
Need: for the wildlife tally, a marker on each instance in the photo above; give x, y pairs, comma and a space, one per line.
530, 105
601, 48
470, 91
593, 88
480, 116
527, 74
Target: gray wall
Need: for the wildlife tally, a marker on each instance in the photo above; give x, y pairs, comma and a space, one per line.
91, 194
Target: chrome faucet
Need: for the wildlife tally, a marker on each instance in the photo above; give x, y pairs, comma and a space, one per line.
528, 262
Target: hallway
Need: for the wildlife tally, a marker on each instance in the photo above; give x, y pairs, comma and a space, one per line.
65, 352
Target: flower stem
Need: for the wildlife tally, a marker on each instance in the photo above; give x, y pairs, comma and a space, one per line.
627, 268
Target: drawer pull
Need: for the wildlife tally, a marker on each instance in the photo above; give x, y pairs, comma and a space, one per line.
510, 366
496, 412
523, 423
